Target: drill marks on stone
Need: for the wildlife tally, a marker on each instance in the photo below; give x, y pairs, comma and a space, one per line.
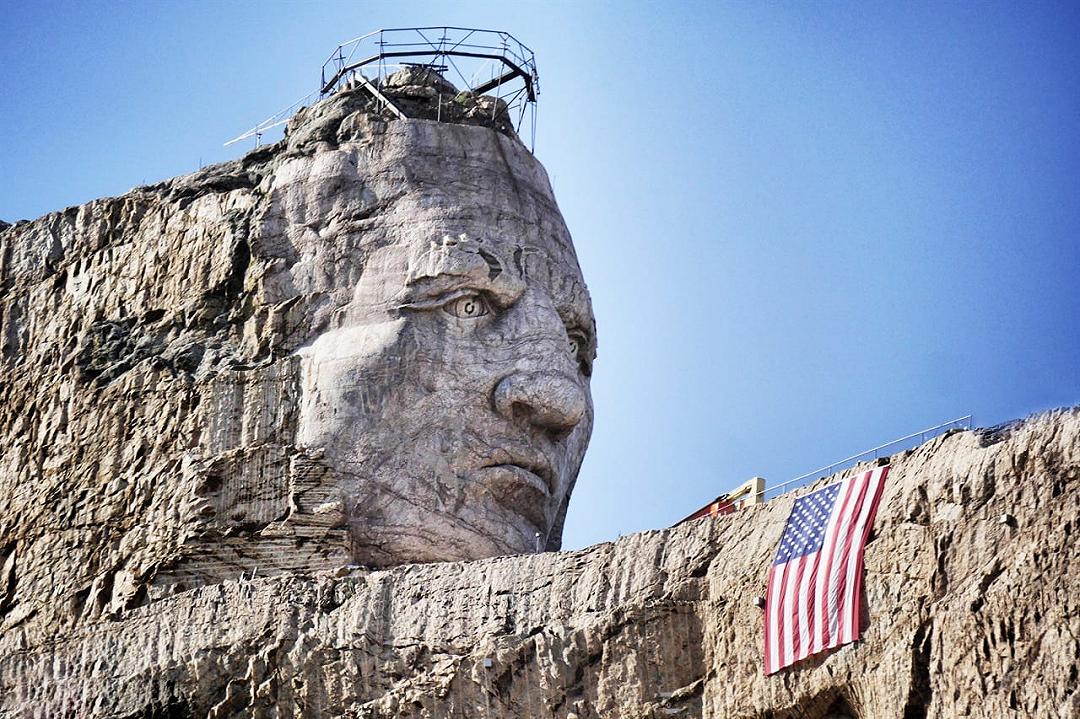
265, 510
13, 334
411, 641
247, 488
251, 407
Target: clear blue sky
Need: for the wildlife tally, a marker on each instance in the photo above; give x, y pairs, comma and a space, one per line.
807, 228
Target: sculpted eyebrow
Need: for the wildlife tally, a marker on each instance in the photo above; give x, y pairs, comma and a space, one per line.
446, 280
576, 315
433, 286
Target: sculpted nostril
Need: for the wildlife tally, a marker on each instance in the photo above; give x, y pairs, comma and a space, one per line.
520, 410
548, 400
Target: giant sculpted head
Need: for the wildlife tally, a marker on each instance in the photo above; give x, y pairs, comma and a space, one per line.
449, 391
369, 344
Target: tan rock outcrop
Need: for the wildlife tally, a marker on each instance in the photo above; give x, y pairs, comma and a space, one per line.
972, 593
370, 345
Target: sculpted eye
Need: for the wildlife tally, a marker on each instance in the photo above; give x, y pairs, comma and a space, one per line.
579, 350
468, 307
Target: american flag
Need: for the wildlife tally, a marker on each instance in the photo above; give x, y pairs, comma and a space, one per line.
815, 582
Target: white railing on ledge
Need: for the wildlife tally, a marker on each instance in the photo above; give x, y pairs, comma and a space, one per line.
872, 453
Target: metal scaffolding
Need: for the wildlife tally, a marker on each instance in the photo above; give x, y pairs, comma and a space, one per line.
488, 63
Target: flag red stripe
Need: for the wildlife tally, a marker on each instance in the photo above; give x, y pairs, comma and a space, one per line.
813, 600
843, 551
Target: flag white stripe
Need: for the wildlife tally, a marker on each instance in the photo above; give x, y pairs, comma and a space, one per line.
822, 599
854, 555
836, 568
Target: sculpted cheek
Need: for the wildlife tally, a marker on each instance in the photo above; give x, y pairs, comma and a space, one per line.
347, 376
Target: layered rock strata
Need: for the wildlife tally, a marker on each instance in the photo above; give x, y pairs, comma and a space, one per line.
971, 592
227, 399
369, 343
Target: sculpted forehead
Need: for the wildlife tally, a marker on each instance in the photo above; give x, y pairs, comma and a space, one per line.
384, 225
404, 180
501, 265
417, 271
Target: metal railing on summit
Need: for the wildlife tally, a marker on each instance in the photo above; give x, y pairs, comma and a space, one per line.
913, 439
489, 63
756, 491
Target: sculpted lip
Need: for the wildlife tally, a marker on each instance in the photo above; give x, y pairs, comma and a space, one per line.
524, 476
522, 480
523, 463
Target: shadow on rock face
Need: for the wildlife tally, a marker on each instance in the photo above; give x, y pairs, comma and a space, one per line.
368, 344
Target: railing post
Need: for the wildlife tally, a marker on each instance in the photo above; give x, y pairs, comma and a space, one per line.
757, 489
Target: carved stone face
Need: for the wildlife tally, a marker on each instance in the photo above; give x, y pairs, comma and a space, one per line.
450, 395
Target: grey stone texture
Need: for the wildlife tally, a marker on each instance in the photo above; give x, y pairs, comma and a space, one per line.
367, 344
968, 616
247, 415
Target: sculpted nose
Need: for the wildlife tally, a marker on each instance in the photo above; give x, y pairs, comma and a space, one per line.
548, 400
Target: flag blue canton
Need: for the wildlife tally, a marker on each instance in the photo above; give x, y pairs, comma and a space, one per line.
805, 529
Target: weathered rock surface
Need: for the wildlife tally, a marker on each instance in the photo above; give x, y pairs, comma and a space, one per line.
370, 344
969, 615
367, 344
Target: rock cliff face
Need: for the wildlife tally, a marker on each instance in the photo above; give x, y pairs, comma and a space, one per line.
367, 344
196, 377
972, 591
